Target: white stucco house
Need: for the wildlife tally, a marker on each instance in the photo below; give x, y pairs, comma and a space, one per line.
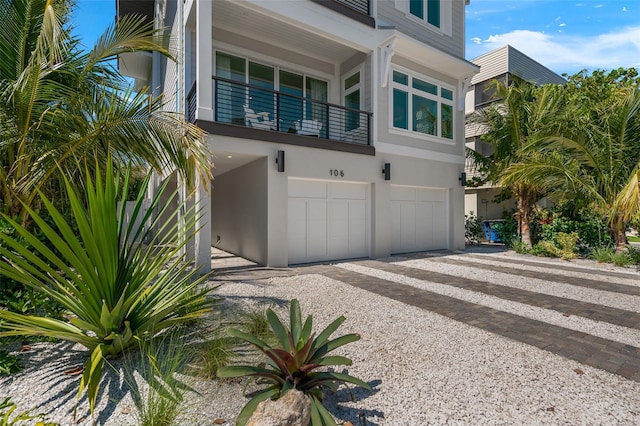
337, 126
500, 64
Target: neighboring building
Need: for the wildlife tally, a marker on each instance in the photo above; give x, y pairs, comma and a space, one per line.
500, 64
337, 125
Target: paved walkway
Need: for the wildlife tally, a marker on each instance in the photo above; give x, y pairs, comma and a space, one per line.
609, 355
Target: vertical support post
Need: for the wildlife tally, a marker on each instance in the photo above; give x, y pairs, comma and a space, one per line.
202, 240
204, 67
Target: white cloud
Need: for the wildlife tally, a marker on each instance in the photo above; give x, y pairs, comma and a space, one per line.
624, 8
476, 40
598, 6
564, 53
562, 25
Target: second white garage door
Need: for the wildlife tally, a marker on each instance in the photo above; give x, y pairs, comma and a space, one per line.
327, 220
418, 219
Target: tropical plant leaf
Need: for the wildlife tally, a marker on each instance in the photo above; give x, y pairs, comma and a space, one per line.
318, 378
279, 330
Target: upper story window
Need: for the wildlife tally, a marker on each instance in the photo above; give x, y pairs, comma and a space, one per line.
434, 14
428, 10
421, 105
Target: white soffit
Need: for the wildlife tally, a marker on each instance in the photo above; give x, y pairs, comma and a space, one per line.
431, 57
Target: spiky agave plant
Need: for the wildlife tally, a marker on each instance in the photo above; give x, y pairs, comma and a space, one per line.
118, 290
293, 363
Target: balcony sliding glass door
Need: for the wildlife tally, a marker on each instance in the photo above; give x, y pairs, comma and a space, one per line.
229, 102
290, 106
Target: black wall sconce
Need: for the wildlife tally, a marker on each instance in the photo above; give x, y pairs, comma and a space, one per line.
280, 161
387, 171
463, 179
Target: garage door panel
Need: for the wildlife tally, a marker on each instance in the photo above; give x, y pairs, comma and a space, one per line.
396, 227
424, 225
439, 226
429, 195
335, 221
408, 223
358, 241
399, 193
418, 219
348, 191
307, 189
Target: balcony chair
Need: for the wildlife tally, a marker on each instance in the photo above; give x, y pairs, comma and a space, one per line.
308, 127
259, 120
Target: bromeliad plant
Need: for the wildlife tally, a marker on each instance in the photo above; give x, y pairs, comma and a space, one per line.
117, 289
293, 363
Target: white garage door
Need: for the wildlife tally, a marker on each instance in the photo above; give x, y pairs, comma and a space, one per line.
418, 219
327, 220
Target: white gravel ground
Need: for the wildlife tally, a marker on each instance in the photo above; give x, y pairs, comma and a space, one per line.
425, 368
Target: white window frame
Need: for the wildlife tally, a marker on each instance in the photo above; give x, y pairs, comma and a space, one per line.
410, 92
359, 86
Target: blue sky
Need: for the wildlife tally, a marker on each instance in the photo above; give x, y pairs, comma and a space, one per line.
564, 35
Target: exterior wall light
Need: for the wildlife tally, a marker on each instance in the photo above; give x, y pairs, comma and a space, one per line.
387, 171
280, 161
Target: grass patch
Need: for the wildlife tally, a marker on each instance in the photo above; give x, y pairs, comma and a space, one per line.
158, 362
633, 239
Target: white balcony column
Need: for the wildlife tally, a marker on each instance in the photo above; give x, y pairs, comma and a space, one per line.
202, 240
204, 63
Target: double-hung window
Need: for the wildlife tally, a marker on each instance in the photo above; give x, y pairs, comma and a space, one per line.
421, 105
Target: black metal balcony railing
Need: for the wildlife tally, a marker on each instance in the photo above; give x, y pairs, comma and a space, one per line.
191, 104
265, 109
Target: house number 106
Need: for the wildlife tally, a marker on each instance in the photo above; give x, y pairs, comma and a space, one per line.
336, 172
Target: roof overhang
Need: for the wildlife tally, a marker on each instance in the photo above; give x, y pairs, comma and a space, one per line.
430, 56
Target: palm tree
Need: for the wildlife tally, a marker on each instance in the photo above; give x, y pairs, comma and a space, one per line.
597, 159
522, 113
59, 105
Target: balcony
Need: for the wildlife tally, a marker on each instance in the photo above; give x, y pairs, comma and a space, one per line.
360, 10
271, 112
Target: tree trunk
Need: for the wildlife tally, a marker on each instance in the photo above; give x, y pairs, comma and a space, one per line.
618, 230
525, 209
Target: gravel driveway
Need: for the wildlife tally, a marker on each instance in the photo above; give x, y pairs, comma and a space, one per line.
447, 338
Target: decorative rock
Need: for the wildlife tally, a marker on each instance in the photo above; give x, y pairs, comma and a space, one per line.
293, 409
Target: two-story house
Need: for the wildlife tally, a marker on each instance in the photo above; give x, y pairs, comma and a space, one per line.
337, 126
500, 64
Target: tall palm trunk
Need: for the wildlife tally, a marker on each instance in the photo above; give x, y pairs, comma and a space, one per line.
526, 203
618, 230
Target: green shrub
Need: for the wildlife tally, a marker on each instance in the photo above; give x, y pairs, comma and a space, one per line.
586, 222
9, 364
621, 259
519, 247
292, 363
603, 254
634, 255
507, 231
472, 229
546, 248
567, 243
118, 290
7, 409
16, 297
212, 354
